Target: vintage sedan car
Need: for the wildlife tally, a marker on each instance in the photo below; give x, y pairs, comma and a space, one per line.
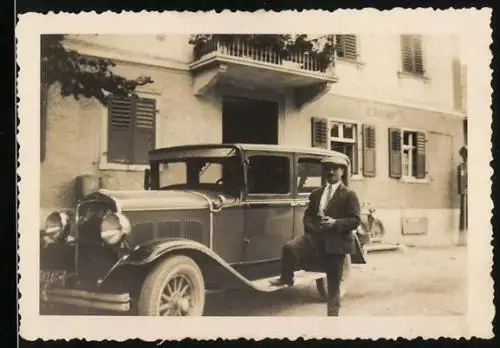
210, 217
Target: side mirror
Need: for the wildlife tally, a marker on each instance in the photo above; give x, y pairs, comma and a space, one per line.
147, 179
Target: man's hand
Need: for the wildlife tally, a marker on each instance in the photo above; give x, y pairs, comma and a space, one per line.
326, 222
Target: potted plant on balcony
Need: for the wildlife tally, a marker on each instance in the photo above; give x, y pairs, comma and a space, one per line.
290, 51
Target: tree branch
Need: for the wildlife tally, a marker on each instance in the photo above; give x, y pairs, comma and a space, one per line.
83, 76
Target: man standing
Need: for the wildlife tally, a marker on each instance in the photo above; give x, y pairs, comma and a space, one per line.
331, 216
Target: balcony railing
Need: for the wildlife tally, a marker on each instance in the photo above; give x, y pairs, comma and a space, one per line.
246, 52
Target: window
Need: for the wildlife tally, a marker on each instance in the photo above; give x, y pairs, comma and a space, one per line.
346, 46
268, 174
406, 154
309, 175
411, 54
210, 173
174, 173
131, 129
344, 136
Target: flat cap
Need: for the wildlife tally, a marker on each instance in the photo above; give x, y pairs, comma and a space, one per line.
336, 161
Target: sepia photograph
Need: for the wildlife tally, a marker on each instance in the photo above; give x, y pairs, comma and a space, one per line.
287, 173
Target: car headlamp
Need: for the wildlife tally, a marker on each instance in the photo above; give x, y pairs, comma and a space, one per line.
57, 226
114, 227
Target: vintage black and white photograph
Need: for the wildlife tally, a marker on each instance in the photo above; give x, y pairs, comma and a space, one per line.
302, 172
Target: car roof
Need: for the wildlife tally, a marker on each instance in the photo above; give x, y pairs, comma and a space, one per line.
259, 147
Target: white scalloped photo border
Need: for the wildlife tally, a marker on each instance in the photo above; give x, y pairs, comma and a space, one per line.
474, 27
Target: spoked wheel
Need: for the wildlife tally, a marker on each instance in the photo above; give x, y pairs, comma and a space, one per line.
322, 284
175, 287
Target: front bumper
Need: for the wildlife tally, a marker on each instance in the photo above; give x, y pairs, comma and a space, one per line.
86, 299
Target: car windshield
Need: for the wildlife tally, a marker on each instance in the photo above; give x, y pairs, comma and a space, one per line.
201, 172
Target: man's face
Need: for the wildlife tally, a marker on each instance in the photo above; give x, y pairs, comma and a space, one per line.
333, 173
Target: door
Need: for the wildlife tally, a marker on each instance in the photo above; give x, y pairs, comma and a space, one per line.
250, 121
308, 178
268, 209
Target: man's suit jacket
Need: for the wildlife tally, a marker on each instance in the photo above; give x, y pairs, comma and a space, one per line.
344, 208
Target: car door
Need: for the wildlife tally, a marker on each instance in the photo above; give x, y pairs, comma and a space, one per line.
268, 207
308, 178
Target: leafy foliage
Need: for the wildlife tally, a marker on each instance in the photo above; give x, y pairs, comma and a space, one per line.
80, 75
285, 45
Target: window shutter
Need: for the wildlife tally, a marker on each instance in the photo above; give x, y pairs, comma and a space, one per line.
120, 130
144, 129
395, 165
319, 132
347, 46
406, 53
369, 151
417, 52
411, 54
420, 158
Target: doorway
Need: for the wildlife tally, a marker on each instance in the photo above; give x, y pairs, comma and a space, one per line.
250, 121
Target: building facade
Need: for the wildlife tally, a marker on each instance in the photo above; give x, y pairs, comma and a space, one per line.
394, 104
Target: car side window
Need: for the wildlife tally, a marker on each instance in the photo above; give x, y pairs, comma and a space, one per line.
308, 175
268, 174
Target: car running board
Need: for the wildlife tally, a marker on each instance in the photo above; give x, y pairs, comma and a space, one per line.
300, 278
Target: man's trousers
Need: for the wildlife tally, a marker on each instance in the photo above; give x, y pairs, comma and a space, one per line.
306, 247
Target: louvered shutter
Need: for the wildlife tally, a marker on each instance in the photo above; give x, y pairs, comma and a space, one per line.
144, 129
347, 46
120, 130
411, 54
420, 158
319, 132
369, 151
395, 156
417, 55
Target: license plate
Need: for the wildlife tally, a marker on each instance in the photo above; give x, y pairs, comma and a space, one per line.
52, 278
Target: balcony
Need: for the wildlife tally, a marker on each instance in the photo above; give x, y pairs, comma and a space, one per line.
238, 64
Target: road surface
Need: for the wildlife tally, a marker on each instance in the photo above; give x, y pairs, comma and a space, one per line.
418, 282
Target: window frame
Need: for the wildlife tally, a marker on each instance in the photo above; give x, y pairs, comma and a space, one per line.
413, 74
348, 59
413, 178
104, 164
260, 196
358, 142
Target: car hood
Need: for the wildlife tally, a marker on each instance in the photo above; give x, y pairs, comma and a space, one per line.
168, 199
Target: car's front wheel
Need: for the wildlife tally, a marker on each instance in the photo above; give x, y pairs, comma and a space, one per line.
174, 287
322, 283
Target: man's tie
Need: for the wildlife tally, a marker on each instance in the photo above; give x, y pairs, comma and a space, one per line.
328, 197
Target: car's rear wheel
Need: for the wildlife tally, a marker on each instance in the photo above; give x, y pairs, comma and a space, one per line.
175, 287
322, 283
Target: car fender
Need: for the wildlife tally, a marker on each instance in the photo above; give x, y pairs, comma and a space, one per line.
149, 253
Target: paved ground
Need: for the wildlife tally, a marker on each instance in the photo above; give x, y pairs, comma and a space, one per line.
417, 282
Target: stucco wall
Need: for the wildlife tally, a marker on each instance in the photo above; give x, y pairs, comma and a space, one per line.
377, 75
444, 135
169, 48
74, 132
434, 199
